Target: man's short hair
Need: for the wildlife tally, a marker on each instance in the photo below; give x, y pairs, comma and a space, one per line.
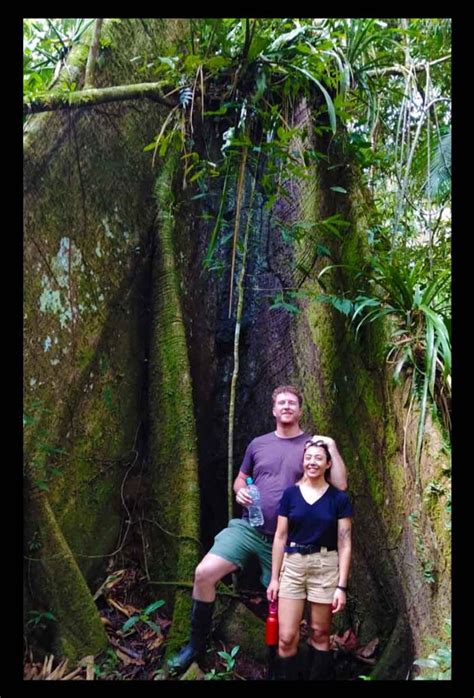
287, 389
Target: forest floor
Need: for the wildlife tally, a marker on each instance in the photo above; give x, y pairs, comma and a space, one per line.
137, 634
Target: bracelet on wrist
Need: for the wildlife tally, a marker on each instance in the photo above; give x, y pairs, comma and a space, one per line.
341, 588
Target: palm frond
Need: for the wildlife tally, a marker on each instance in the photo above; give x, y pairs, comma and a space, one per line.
438, 184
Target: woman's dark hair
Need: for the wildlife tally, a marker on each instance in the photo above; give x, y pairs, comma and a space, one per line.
320, 444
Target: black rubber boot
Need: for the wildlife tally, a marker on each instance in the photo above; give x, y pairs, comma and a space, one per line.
322, 665
201, 619
307, 662
287, 668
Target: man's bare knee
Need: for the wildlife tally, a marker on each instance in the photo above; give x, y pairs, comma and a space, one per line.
212, 568
203, 573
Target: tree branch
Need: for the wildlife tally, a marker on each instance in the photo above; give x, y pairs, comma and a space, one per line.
91, 97
402, 70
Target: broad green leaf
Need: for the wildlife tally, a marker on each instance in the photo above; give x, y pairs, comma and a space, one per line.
361, 303
150, 146
343, 305
329, 102
217, 62
192, 61
219, 112
153, 607
259, 44
282, 305
399, 366
322, 250
285, 38
130, 623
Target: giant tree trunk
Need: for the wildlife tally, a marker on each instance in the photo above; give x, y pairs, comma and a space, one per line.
349, 393
89, 209
114, 284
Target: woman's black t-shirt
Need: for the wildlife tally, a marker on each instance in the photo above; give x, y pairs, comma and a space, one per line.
314, 524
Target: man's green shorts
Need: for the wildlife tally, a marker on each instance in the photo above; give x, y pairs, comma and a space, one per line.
239, 542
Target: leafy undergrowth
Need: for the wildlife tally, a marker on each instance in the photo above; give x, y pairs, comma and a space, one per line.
137, 636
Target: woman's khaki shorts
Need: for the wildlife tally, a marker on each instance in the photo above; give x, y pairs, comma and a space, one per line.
313, 577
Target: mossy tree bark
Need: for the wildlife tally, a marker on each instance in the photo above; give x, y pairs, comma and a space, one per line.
61, 588
88, 195
92, 97
173, 453
349, 394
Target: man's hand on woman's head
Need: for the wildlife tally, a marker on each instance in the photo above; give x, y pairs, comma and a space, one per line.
327, 439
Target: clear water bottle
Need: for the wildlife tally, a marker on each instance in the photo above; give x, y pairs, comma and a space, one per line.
255, 511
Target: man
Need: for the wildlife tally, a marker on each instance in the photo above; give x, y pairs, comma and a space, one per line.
274, 461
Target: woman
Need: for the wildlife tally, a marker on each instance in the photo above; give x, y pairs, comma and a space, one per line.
311, 557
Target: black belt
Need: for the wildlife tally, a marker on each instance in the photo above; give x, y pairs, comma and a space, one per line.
306, 549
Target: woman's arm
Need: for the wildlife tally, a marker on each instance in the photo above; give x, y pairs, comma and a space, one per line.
279, 541
344, 547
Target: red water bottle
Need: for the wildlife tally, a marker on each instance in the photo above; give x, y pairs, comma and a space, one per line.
271, 625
